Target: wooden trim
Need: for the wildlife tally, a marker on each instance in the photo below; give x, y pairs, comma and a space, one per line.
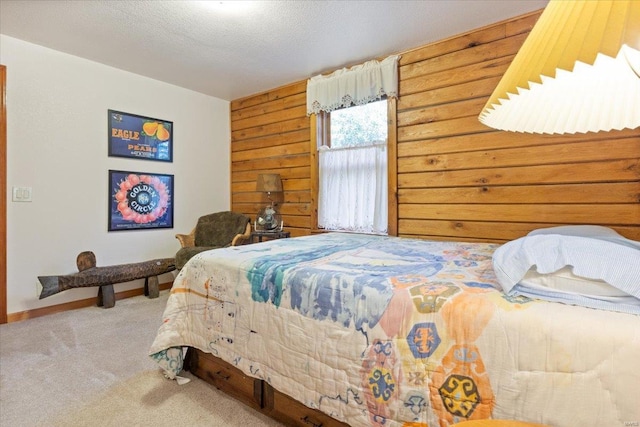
230, 160
392, 167
314, 178
88, 302
3, 194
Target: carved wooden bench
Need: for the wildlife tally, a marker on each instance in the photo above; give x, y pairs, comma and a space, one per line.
105, 277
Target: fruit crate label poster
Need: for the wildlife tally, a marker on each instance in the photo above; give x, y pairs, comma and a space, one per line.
140, 201
140, 137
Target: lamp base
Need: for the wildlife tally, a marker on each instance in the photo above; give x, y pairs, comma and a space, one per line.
268, 220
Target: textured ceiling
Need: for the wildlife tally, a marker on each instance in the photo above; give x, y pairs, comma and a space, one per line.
231, 49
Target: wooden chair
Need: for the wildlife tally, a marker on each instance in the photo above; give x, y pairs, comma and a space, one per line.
216, 230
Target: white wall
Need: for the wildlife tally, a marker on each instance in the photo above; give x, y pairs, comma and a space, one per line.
57, 144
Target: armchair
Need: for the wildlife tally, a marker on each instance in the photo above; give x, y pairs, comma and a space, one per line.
216, 230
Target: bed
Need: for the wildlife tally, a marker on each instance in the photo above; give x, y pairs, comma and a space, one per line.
396, 332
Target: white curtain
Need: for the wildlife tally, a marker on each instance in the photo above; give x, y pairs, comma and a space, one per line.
353, 189
357, 85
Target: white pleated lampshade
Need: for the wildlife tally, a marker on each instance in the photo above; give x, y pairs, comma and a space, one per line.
577, 71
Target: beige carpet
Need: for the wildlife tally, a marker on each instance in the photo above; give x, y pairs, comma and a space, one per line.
89, 367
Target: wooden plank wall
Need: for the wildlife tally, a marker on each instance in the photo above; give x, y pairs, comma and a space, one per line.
270, 133
457, 179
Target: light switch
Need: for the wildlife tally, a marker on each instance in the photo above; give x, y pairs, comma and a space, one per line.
21, 194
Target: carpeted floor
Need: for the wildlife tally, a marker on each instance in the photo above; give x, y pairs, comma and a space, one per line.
89, 367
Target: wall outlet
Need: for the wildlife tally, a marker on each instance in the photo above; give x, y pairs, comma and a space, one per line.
21, 194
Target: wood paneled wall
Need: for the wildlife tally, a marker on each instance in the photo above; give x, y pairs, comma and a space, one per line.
270, 133
456, 178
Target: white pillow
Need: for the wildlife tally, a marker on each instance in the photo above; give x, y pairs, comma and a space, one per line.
589, 231
571, 257
565, 281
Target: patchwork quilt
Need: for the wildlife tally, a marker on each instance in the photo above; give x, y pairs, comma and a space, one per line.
396, 332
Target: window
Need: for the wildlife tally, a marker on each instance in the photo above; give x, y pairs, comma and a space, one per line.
352, 147
352, 169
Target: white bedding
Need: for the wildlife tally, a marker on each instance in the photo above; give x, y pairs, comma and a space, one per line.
586, 265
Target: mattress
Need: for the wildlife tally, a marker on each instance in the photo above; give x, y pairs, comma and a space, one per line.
396, 332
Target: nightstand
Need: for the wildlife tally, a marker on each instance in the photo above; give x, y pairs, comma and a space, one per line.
257, 236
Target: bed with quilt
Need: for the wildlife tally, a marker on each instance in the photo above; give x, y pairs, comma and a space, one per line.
397, 332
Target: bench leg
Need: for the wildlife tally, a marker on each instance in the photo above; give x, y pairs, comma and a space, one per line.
151, 287
106, 296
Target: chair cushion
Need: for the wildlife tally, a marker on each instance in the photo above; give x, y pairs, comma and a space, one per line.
219, 229
185, 254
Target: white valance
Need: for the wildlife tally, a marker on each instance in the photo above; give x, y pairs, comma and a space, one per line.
357, 85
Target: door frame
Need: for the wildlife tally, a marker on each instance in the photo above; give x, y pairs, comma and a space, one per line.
3, 194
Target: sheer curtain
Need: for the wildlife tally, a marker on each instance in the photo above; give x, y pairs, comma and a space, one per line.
353, 189
352, 193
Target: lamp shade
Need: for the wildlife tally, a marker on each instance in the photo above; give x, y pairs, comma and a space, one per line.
577, 71
269, 183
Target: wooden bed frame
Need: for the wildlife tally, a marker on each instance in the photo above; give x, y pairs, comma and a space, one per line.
255, 393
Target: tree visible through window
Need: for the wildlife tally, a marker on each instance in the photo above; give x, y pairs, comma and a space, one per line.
360, 125
353, 169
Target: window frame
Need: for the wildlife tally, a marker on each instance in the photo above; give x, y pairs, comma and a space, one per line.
320, 129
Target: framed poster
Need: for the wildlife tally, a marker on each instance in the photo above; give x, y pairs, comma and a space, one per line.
140, 137
140, 201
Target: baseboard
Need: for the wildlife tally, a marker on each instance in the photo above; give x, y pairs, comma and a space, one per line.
88, 302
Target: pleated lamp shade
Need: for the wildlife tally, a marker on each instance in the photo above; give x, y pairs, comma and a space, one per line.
577, 71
